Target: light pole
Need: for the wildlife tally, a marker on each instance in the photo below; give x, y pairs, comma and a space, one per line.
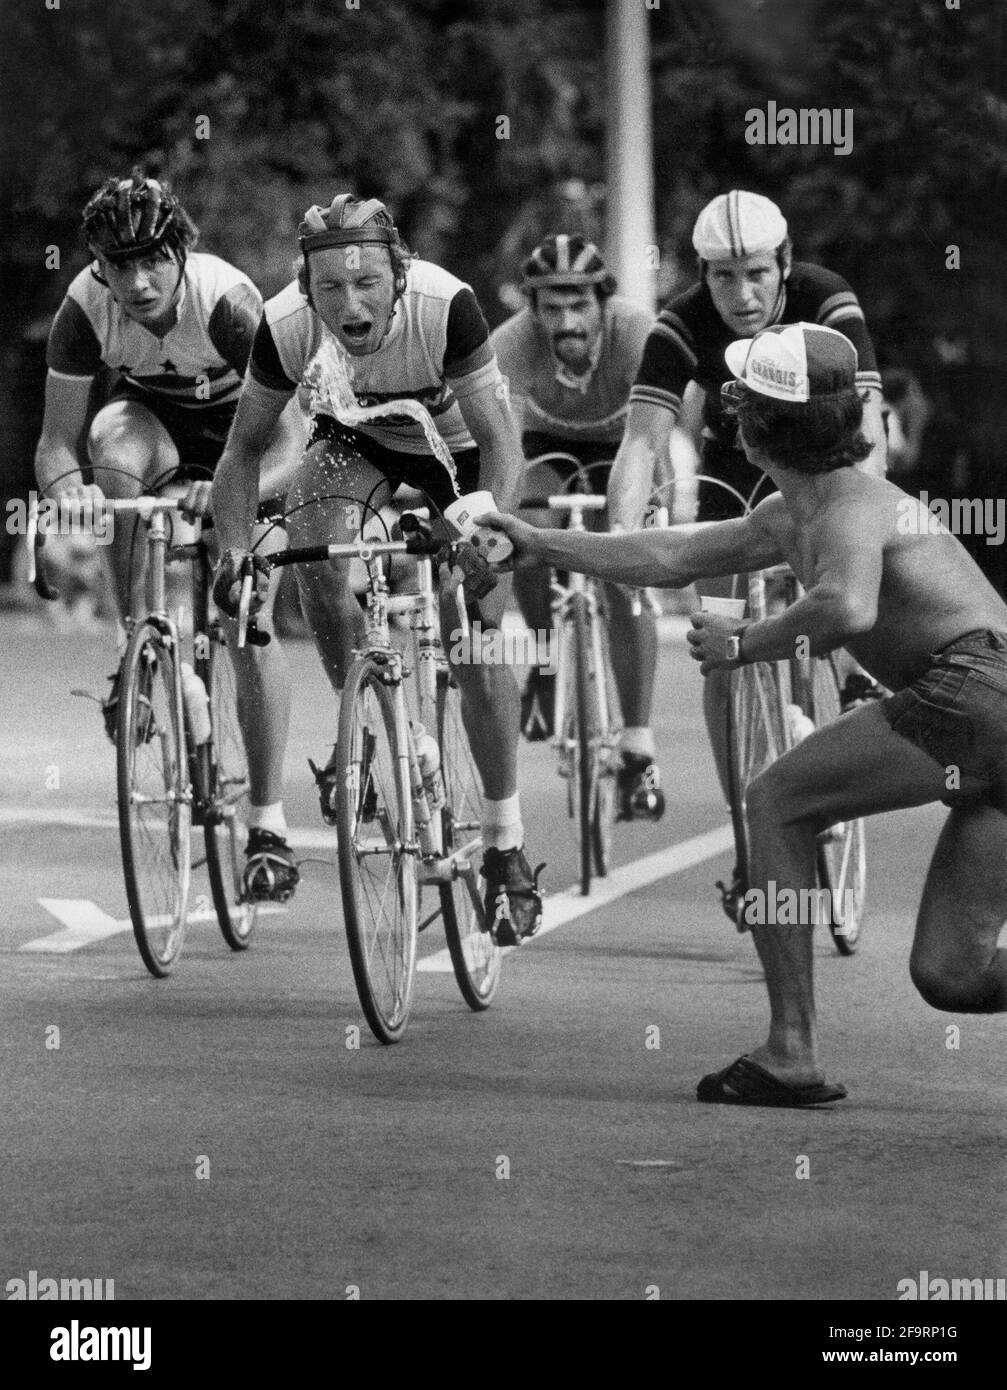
630, 241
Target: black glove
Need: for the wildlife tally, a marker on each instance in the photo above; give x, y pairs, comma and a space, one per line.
227, 581
480, 578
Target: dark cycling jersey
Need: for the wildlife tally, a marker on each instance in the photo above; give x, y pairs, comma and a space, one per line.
688, 340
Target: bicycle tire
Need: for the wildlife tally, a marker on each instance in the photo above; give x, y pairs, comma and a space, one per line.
584, 775
224, 765
756, 737
152, 773
372, 779
608, 728
841, 852
475, 957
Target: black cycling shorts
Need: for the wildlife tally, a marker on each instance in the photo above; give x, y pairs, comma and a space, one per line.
198, 432
420, 471
727, 462
595, 459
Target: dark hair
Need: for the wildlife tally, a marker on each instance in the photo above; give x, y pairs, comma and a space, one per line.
818, 436
604, 290
784, 254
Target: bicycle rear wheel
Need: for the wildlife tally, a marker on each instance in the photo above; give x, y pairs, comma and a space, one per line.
377, 862
474, 955
607, 725
756, 737
155, 811
225, 772
577, 736
842, 849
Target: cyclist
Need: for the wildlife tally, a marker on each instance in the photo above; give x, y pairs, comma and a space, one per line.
176, 327
402, 328
748, 281
570, 358
918, 614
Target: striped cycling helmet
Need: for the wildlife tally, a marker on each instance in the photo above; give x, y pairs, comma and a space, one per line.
132, 217
351, 221
738, 224
566, 261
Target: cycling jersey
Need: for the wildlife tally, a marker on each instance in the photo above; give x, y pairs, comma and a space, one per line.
688, 340
436, 350
590, 410
200, 361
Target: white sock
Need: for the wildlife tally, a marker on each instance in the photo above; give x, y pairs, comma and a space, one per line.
269, 817
638, 741
502, 827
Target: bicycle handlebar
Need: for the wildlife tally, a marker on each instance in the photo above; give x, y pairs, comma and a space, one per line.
568, 502
81, 510
418, 541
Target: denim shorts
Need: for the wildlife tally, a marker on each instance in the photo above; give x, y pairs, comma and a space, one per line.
957, 712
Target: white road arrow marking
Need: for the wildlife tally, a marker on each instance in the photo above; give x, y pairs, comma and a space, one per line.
84, 922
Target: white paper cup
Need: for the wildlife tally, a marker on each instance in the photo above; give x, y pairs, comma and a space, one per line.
726, 607
493, 545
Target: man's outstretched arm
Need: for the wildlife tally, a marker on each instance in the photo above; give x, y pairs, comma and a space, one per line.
651, 558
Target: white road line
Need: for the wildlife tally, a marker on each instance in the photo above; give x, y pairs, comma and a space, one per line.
560, 908
84, 922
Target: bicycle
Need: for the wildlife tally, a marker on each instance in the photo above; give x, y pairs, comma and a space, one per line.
169, 778
587, 721
400, 827
769, 706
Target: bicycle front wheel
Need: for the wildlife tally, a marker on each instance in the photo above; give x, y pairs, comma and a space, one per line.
377, 861
842, 849
577, 736
155, 811
474, 955
756, 737
225, 768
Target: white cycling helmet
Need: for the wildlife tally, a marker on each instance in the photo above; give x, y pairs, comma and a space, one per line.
738, 224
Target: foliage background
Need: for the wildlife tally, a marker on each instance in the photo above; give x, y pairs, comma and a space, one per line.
399, 98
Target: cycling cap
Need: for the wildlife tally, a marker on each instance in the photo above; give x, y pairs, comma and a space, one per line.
565, 260
128, 217
347, 221
796, 362
738, 224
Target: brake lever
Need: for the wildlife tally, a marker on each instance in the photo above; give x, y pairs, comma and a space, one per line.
38, 573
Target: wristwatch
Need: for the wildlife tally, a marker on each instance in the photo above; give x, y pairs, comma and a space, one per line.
734, 646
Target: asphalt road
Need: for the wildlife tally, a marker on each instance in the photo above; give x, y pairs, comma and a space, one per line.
540, 1151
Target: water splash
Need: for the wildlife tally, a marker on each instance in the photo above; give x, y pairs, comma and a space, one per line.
328, 377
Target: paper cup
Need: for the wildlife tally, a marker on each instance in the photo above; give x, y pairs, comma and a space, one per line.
726, 607
493, 545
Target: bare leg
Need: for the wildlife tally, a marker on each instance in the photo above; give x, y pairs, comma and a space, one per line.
490, 701
129, 450
333, 614
715, 695
856, 766
955, 962
262, 677
633, 643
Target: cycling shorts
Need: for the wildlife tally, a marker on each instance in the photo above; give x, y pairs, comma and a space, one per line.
420, 471
595, 459
957, 712
199, 433
718, 459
